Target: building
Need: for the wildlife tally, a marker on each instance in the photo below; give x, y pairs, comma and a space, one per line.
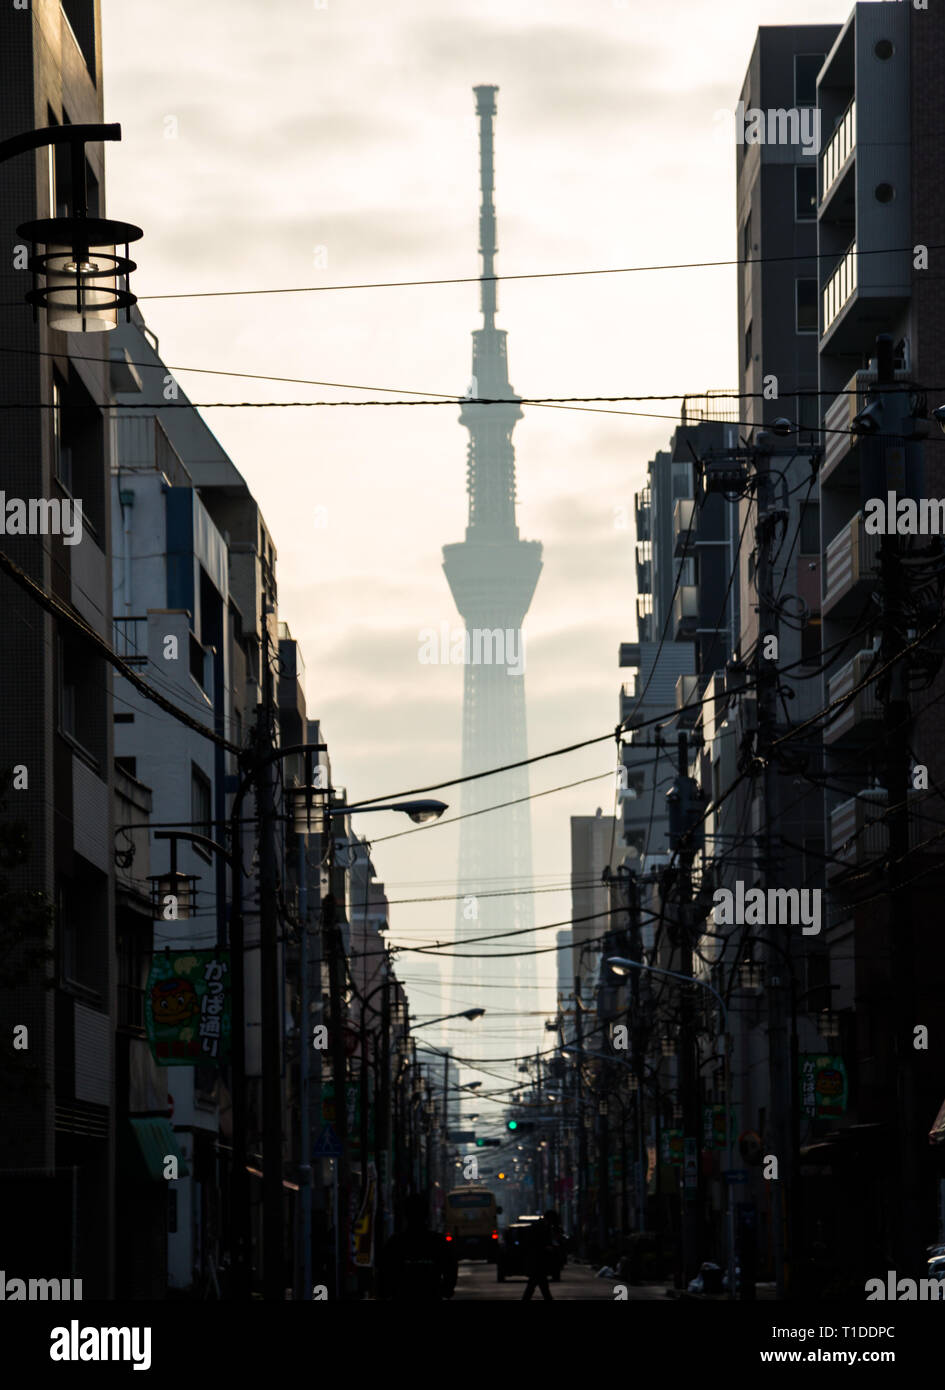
58, 1151
880, 190
492, 576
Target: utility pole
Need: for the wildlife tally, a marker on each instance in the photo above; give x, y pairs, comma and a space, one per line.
270, 986
728, 471
382, 1118
684, 816
335, 955
446, 1124
582, 1127
895, 467
766, 674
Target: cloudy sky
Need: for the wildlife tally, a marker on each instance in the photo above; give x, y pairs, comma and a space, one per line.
295, 143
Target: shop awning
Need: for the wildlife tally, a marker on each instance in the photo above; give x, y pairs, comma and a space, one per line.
156, 1141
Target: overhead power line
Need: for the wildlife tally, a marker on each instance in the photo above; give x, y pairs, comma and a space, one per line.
58, 609
528, 275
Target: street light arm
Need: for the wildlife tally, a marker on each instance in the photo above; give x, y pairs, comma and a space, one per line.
56, 135
673, 975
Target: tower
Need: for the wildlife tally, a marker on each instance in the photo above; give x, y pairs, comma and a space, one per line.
492, 575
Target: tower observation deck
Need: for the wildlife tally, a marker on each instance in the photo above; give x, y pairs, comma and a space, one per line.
492, 575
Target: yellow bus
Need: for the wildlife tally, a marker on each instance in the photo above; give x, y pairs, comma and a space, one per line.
471, 1223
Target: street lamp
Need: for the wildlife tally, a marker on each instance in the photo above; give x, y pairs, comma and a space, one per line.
470, 1014
79, 265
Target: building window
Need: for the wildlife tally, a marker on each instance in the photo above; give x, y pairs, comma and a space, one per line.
200, 806
810, 528
806, 68
81, 909
746, 239
805, 193
82, 697
748, 346
805, 305
79, 449
810, 642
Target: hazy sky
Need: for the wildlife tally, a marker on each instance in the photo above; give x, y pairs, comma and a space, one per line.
295, 143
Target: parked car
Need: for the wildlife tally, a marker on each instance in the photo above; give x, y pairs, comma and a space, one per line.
514, 1249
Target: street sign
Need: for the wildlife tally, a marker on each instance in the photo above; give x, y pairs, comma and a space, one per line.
327, 1144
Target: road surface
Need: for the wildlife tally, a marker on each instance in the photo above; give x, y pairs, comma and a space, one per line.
578, 1283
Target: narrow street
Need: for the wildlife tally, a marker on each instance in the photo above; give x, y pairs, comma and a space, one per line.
578, 1283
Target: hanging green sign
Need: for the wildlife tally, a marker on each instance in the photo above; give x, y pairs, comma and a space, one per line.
187, 1009
823, 1084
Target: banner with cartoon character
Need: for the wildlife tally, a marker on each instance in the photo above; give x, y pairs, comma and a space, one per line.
187, 1010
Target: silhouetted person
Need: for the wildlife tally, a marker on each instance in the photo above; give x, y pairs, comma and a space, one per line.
537, 1259
416, 1264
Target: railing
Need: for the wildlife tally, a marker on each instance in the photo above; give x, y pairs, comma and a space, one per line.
719, 403
864, 707
143, 443
838, 151
642, 514
838, 420
131, 639
851, 556
686, 608
840, 286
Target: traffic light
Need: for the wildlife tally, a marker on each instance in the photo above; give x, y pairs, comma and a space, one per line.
488, 1143
512, 1124
501, 1177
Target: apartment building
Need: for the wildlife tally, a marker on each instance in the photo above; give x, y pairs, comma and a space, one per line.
59, 1137
881, 199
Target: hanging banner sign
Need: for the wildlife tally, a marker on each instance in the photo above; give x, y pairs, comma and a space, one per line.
187, 1008
823, 1083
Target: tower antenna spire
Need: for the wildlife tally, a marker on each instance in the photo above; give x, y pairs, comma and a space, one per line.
485, 108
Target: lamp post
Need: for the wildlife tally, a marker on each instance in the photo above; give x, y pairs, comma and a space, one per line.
621, 966
419, 812
79, 266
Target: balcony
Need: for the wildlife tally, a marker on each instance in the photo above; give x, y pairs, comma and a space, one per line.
850, 569
858, 832
131, 640
644, 576
642, 514
687, 693
686, 611
839, 289
685, 525
841, 465
839, 149
862, 718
